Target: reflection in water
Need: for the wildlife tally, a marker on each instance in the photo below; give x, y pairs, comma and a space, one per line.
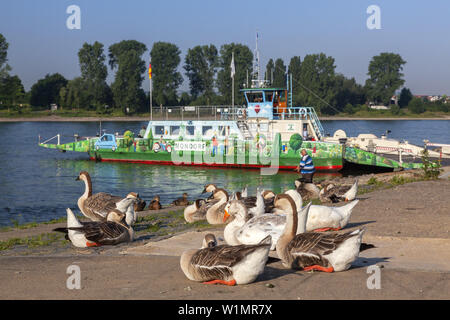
38, 184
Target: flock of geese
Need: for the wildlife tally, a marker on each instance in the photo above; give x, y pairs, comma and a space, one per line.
255, 225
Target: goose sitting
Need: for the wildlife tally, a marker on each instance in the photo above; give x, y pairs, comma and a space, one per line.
209, 241
316, 251
196, 211
250, 231
215, 211
257, 205
155, 204
139, 205
183, 201
97, 206
333, 193
94, 233
224, 264
323, 218
308, 191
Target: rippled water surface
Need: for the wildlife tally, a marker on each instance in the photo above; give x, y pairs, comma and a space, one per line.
37, 184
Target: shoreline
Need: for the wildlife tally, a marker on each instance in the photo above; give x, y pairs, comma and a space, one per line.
145, 118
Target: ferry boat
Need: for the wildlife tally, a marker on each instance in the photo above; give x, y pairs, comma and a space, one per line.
266, 132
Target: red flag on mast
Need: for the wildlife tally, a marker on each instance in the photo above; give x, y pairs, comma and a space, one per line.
150, 71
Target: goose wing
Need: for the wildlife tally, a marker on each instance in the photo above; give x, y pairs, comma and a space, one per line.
101, 203
217, 262
103, 232
310, 248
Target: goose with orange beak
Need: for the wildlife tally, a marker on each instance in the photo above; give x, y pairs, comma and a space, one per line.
224, 264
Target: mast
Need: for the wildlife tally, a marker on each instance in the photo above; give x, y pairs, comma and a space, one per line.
256, 65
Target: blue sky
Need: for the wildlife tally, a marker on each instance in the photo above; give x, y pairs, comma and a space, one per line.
40, 42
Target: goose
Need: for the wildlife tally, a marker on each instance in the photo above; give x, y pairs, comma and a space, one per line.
316, 251
209, 241
215, 212
308, 191
183, 201
224, 264
94, 233
332, 193
139, 205
97, 206
244, 231
155, 204
196, 211
257, 205
210, 187
323, 218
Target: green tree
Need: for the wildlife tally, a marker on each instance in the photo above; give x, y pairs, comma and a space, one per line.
76, 95
94, 73
348, 92
201, 64
243, 59
416, 105
270, 68
4, 67
279, 74
11, 91
294, 69
165, 59
126, 89
317, 85
46, 91
384, 77
405, 97
295, 141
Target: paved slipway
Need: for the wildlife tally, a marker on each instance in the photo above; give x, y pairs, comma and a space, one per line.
409, 225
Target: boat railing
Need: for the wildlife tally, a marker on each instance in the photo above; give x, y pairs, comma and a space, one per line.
215, 112
303, 113
58, 136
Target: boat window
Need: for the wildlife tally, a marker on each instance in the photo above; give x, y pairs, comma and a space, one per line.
223, 130
190, 130
269, 96
207, 130
159, 130
254, 96
174, 130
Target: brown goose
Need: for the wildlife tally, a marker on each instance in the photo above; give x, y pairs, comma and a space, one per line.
196, 211
215, 213
308, 191
155, 204
229, 265
97, 206
333, 193
183, 201
94, 233
315, 251
209, 241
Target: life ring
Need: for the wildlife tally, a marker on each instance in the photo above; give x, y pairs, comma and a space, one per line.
156, 147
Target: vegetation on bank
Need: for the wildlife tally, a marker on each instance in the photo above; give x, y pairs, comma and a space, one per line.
207, 69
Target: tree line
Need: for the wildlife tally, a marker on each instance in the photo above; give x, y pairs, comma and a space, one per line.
207, 69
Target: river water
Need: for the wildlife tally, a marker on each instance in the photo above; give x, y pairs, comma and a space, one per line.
38, 184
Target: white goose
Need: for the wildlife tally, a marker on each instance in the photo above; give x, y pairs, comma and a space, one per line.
324, 218
224, 264
316, 251
196, 211
95, 233
97, 206
332, 193
250, 231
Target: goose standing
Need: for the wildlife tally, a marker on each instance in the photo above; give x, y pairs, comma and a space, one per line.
97, 206
95, 233
224, 264
316, 251
332, 193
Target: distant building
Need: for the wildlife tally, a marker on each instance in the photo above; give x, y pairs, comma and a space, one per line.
53, 107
